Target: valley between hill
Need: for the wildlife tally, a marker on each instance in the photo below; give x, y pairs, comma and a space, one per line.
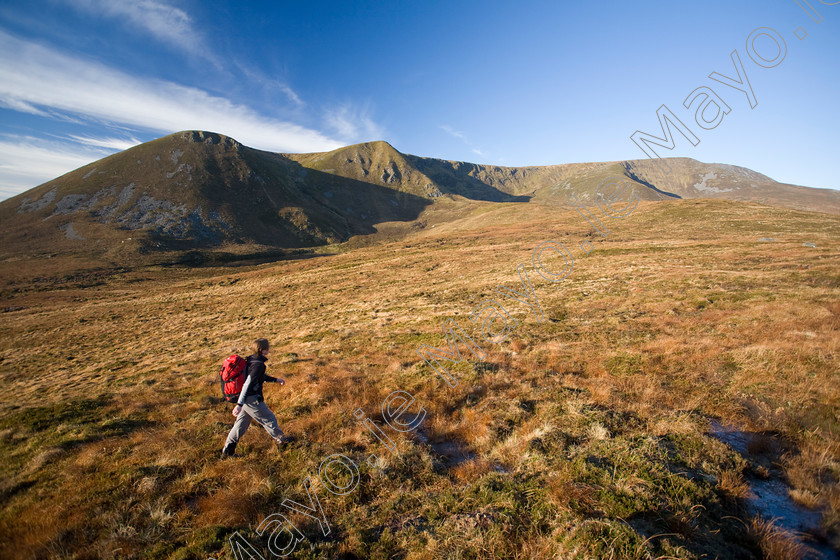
199, 197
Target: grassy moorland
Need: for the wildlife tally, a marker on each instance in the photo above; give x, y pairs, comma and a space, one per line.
585, 435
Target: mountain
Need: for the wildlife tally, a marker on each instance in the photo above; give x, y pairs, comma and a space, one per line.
195, 190
195, 193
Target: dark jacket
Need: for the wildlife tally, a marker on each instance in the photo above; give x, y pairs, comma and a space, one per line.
255, 376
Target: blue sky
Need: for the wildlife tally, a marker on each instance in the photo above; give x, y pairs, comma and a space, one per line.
527, 83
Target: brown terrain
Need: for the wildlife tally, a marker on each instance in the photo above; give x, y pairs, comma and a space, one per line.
686, 366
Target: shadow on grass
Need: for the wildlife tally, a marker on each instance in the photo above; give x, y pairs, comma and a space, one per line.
81, 421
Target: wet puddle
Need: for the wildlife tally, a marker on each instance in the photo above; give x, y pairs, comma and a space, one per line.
770, 497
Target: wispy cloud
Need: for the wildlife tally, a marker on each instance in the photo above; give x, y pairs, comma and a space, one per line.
353, 124
26, 161
35, 76
463, 138
21, 107
108, 143
452, 132
42, 81
173, 26
270, 84
166, 23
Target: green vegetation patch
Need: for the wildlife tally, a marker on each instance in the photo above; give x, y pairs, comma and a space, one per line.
62, 426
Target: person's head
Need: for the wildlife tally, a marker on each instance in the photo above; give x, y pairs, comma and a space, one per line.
260, 346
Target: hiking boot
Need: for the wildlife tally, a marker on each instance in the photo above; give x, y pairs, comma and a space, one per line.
229, 451
284, 440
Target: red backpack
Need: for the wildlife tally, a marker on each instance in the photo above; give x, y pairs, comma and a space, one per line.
232, 376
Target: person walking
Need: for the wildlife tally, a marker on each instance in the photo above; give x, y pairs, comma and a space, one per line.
251, 403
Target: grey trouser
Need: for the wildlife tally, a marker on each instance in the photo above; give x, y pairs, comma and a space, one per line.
260, 412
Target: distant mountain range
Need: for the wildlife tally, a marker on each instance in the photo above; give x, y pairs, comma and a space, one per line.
204, 191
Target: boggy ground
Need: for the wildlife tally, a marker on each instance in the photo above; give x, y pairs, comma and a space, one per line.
585, 435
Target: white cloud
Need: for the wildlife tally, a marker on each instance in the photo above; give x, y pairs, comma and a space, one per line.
110, 143
270, 83
452, 132
463, 138
21, 106
35, 76
166, 23
26, 162
353, 124
290, 93
173, 26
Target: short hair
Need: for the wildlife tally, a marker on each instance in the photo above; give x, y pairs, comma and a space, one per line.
259, 345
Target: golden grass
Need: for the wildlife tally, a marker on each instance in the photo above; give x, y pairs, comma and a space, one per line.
732, 483
595, 415
775, 543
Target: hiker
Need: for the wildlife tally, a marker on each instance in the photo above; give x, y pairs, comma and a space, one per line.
251, 404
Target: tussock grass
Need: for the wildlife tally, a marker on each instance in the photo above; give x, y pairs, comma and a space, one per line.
776, 543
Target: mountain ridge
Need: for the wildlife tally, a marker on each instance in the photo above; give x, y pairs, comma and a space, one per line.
203, 191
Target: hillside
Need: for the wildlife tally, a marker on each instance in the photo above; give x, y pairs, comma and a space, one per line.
189, 191
590, 434
197, 196
379, 162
